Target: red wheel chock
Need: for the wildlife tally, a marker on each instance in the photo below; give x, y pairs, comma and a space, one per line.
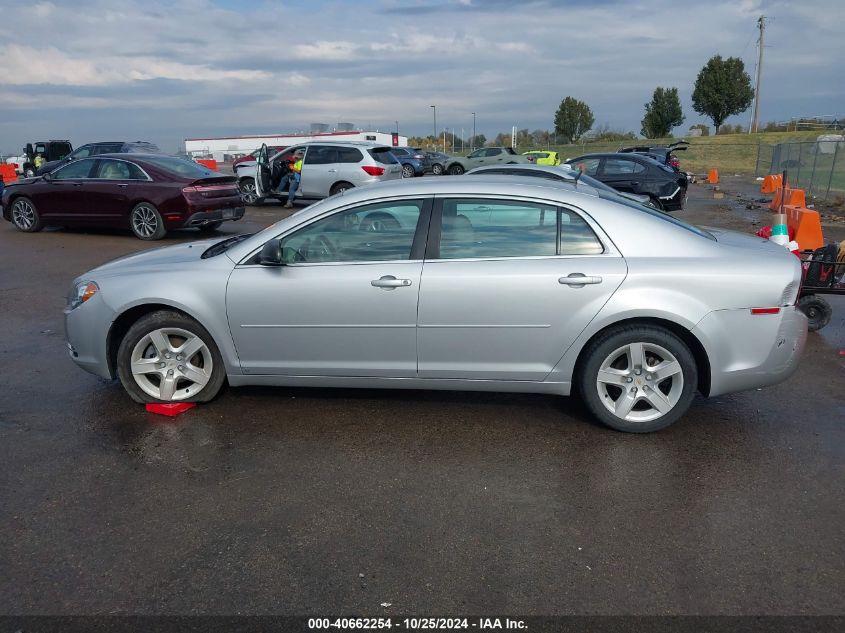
171, 409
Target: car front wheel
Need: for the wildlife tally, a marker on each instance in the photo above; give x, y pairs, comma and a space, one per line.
25, 216
456, 170
638, 379
248, 193
168, 357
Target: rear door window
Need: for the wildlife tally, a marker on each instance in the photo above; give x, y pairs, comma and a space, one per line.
622, 167
349, 155
474, 228
321, 155
589, 166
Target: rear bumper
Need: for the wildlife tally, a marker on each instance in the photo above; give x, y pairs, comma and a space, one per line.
749, 351
201, 218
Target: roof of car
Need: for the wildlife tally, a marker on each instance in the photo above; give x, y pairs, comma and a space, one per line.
624, 156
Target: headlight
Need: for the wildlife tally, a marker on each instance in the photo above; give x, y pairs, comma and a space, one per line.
81, 292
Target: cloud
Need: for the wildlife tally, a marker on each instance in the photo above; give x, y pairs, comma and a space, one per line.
164, 71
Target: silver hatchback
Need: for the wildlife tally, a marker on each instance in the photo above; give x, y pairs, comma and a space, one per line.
327, 168
491, 283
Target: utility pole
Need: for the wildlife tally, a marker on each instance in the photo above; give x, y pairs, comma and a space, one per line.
434, 109
755, 122
472, 143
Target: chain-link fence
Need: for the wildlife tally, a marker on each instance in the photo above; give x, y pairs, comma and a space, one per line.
817, 167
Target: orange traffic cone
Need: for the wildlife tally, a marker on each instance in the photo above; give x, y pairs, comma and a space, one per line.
713, 177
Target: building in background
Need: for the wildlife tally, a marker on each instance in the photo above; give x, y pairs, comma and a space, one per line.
225, 149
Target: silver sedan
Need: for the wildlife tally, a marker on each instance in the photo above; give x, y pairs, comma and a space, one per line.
486, 283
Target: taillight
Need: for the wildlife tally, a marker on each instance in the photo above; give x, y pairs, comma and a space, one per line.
190, 190
765, 310
372, 170
419, 156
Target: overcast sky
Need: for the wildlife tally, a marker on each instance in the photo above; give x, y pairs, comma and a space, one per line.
93, 70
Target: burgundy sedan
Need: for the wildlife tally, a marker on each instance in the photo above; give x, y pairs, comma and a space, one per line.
147, 193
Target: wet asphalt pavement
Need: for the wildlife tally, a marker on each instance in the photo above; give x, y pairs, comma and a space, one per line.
300, 501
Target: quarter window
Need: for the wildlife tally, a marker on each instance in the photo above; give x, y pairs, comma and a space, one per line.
373, 233
76, 169
495, 228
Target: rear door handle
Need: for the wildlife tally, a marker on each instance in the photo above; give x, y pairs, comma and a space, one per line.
390, 282
578, 280
123, 185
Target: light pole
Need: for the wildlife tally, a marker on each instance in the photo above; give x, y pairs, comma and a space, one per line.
434, 110
397, 127
472, 144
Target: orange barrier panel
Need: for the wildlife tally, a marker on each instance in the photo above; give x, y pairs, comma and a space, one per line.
8, 173
794, 197
208, 162
805, 226
713, 177
771, 183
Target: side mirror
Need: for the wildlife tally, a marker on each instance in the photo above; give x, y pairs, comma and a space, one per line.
47, 177
271, 254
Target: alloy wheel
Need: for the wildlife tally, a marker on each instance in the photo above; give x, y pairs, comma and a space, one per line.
407, 171
248, 193
640, 382
144, 221
23, 215
171, 364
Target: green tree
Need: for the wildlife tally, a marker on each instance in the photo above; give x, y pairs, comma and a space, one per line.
478, 140
662, 114
572, 119
722, 89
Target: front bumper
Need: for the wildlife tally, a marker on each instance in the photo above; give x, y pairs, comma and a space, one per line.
749, 351
86, 333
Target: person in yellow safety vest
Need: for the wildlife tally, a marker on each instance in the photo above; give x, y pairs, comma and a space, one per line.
39, 160
295, 177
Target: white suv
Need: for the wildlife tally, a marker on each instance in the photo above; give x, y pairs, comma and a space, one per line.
327, 169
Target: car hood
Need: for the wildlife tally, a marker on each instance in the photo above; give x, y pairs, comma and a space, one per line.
164, 257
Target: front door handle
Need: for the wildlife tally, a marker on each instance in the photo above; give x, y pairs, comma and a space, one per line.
332, 171
123, 185
578, 280
390, 282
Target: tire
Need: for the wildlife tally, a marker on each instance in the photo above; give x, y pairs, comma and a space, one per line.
197, 378
25, 216
248, 194
607, 376
408, 171
818, 311
29, 172
210, 227
456, 170
437, 169
146, 223
655, 201
339, 187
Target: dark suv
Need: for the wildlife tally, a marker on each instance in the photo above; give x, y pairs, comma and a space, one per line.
94, 149
47, 150
414, 162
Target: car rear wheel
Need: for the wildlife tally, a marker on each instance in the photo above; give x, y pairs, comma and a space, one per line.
146, 223
25, 216
169, 357
407, 171
655, 202
456, 170
248, 193
340, 187
638, 379
210, 227
817, 310
437, 169
29, 172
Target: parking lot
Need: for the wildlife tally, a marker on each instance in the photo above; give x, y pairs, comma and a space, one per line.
305, 501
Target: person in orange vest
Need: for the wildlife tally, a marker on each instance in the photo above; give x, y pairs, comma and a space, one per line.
295, 177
